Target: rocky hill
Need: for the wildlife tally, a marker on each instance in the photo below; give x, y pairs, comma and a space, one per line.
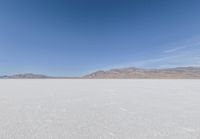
25, 76
137, 73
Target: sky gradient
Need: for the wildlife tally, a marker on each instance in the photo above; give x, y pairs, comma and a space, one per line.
76, 37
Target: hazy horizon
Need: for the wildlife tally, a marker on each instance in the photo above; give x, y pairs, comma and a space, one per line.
72, 38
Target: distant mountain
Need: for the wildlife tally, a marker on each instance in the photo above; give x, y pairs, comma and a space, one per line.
124, 73
25, 76
137, 73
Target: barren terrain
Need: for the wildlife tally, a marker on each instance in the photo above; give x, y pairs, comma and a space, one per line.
99, 109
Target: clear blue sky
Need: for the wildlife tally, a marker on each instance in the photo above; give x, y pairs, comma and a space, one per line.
74, 37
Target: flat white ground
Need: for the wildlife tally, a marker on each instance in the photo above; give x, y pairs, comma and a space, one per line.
99, 109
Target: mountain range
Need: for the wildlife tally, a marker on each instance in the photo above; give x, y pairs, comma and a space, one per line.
25, 76
138, 73
124, 73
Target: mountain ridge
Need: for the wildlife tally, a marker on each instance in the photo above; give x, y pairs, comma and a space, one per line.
25, 76
140, 73
123, 73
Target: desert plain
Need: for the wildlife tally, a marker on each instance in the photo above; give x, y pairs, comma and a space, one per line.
99, 109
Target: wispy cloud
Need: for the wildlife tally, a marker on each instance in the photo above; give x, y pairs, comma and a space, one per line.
157, 59
184, 59
181, 54
155, 62
175, 49
183, 45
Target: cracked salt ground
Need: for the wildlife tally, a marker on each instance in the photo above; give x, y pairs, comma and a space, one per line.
99, 109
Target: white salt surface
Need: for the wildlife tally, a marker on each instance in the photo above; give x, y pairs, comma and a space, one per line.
99, 109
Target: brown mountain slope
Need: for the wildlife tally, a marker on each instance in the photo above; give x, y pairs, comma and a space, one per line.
25, 76
136, 73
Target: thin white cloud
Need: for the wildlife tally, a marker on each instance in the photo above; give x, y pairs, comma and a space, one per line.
184, 45
157, 59
175, 49
180, 60
182, 54
143, 63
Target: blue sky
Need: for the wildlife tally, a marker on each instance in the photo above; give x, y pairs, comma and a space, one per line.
75, 37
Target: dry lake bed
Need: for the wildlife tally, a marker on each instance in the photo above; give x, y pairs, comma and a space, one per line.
99, 109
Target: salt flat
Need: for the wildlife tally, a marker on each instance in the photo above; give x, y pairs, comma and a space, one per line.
99, 109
